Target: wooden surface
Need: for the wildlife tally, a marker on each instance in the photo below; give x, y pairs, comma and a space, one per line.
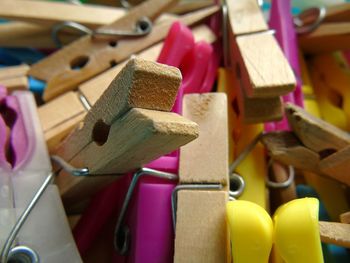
15, 83
186, 6
286, 148
245, 16
13, 71
314, 133
337, 165
61, 78
135, 139
141, 84
326, 38
59, 116
205, 160
338, 13
201, 231
264, 69
335, 233
345, 218
50, 13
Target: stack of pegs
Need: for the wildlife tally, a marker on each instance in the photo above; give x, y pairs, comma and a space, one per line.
160, 131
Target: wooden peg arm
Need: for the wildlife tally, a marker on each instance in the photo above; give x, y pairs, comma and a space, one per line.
286, 148
316, 134
335, 233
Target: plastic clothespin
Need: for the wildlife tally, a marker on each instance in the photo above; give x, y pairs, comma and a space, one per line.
324, 29
330, 75
24, 166
296, 231
251, 232
281, 21
253, 51
253, 167
78, 57
331, 192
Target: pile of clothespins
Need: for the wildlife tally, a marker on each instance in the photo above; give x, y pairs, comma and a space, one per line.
164, 131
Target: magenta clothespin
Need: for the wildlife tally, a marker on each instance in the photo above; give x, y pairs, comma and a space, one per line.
282, 22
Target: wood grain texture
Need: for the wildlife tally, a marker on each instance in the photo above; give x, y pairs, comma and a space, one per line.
337, 165
100, 55
245, 16
205, 160
13, 71
264, 69
314, 133
286, 148
345, 218
50, 13
59, 116
15, 83
93, 88
201, 229
335, 233
135, 139
141, 84
326, 38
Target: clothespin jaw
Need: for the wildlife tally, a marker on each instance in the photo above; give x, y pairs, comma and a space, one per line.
296, 231
135, 103
251, 231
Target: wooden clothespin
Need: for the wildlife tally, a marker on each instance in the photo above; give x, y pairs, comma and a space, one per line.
14, 77
50, 13
327, 29
201, 231
316, 146
127, 127
88, 57
74, 105
262, 71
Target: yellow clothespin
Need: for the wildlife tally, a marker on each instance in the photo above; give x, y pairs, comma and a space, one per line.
126, 128
331, 192
330, 75
253, 167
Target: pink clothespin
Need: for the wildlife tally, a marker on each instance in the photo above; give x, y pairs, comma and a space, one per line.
24, 170
281, 21
148, 213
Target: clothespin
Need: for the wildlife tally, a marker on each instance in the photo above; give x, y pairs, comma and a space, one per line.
330, 75
345, 218
14, 78
297, 232
248, 223
252, 167
254, 51
74, 105
281, 21
331, 192
324, 29
116, 112
145, 226
317, 146
199, 201
27, 223
78, 59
